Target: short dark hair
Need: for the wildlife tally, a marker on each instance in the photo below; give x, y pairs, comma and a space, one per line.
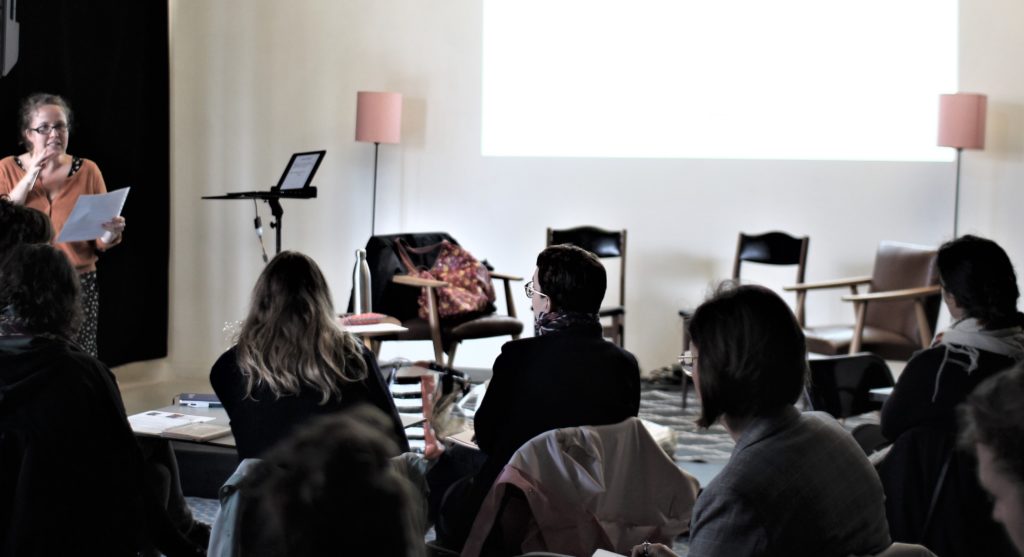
980, 277
31, 104
22, 225
331, 489
572, 277
993, 415
752, 356
40, 289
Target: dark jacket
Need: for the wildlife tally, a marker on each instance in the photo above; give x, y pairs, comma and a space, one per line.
920, 419
70, 469
260, 421
563, 379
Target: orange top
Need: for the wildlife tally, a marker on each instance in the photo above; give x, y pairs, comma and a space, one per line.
85, 178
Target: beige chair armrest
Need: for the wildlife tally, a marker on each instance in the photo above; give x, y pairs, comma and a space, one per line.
503, 276
894, 295
838, 283
860, 305
410, 280
433, 318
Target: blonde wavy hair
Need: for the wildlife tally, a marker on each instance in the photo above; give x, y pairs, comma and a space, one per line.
290, 338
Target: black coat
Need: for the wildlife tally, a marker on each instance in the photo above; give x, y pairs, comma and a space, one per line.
71, 472
563, 379
920, 419
260, 421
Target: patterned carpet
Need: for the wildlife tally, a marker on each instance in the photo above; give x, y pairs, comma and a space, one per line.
663, 405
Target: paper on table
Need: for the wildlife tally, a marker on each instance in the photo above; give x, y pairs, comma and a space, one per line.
90, 212
409, 420
156, 422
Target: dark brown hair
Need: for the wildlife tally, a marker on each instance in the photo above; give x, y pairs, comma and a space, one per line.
22, 225
752, 357
40, 290
572, 277
330, 489
980, 277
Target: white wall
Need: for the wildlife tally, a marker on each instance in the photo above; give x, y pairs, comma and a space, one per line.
254, 81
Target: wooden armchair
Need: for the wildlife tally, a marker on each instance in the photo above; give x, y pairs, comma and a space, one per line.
395, 293
897, 314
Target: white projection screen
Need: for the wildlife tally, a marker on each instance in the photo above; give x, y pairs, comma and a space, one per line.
735, 79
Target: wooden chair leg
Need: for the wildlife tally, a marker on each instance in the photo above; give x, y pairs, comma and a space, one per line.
923, 330
801, 298
435, 326
451, 355
858, 328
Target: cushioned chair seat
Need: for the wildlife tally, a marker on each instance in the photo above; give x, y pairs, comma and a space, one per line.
836, 339
488, 326
481, 327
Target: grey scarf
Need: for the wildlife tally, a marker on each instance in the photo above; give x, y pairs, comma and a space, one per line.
968, 337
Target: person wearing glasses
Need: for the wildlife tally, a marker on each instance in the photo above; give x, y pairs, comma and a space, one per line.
46, 178
796, 483
566, 375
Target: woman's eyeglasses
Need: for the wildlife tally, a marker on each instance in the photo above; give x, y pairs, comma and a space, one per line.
45, 129
686, 362
530, 291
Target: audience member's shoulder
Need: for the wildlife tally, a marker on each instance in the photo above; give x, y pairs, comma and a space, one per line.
932, 355
822, 420
519, 345
227, 359
68, 360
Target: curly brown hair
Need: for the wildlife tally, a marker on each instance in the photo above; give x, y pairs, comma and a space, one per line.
21, 225
39, 291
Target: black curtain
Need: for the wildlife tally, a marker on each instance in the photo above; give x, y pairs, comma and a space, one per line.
110, 60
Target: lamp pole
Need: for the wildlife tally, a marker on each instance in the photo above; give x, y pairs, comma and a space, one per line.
956, 199
373, 212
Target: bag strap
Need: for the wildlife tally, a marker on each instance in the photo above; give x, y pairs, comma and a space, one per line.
425, 249
403, 255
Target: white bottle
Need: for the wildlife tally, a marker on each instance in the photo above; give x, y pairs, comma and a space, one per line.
361, 284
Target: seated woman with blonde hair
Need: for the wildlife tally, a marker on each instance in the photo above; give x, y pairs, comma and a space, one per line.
293, 361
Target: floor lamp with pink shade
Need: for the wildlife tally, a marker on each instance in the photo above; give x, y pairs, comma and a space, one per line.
378, 120
961, 126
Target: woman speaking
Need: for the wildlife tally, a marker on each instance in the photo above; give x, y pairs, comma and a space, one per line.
46, 178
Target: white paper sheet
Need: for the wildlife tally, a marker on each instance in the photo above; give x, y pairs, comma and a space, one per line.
156, 422
90, 212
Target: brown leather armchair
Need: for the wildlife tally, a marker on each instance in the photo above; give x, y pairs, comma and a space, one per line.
895, 317
392, 295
